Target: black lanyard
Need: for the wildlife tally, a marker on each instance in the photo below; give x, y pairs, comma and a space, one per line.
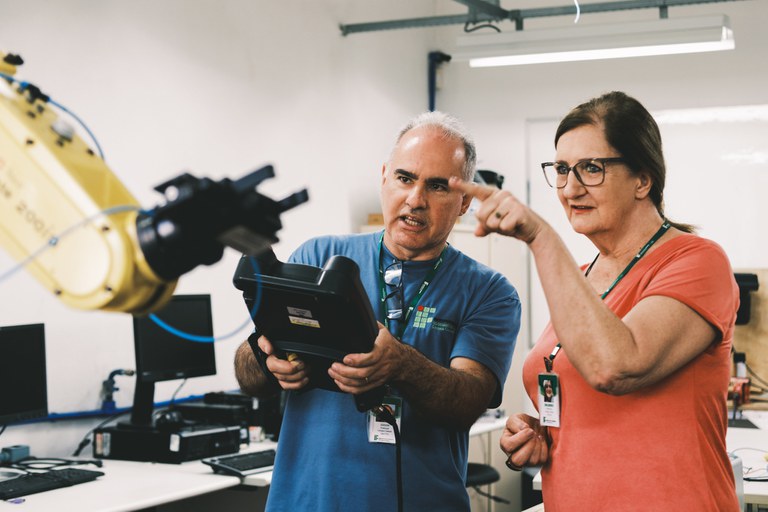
419, 294
548, 361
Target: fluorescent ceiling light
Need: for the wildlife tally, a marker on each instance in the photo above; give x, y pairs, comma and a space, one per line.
594, 42
708, 115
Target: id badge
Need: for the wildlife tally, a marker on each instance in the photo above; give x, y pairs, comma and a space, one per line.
380, 431
549, 400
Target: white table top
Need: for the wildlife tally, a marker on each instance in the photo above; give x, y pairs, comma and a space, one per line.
747, 444
487, 424
130, 485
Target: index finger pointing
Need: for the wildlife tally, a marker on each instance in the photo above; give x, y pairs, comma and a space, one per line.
465, 187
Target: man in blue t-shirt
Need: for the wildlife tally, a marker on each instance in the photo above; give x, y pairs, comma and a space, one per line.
445, 342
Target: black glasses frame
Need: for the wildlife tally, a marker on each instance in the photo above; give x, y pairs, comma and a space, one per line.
393, 277
600, 161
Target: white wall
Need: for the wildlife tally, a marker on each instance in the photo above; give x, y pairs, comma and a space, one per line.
220, 87
217, 89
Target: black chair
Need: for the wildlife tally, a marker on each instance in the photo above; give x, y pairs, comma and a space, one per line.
483, 474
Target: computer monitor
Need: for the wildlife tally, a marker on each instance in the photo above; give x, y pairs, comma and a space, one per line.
23, 385
162, 355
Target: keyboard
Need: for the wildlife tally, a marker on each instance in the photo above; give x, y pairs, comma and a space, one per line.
32, 483
242, 464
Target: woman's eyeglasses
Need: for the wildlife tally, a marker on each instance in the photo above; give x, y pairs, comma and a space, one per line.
393, 277
589, 172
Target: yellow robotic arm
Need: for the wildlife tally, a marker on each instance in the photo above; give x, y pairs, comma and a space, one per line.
84, 236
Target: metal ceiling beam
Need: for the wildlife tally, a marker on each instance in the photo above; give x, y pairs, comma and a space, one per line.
618, 5
486, 7
433, 21
485, 10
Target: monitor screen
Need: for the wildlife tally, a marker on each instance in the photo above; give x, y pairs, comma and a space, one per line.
162, 355
23, 388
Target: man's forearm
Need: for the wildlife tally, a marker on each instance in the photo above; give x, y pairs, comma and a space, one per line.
451, 397
249, 376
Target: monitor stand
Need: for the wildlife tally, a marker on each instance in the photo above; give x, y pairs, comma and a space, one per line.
143, 407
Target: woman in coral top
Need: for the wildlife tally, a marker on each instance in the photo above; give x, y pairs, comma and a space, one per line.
637, 349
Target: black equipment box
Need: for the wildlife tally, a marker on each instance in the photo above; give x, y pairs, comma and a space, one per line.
264, 412
126, 442
231, 398
214, 414
322, 314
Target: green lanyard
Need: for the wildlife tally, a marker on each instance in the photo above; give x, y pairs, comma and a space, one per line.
548, 361
416, 299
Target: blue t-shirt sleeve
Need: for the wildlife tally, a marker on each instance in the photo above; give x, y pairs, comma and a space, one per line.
489, 332
307, 253
317, 251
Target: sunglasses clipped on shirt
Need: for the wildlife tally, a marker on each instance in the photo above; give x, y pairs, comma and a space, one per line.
393, 278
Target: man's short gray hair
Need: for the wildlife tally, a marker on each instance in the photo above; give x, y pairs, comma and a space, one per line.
451, 128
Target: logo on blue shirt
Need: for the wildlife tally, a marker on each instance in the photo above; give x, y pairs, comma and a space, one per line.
424, 318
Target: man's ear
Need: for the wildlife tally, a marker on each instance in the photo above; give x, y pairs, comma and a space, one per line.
465, 202
383, 173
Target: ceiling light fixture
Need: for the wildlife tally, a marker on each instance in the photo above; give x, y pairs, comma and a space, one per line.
593, 42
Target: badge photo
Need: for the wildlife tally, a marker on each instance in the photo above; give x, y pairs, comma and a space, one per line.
549, 399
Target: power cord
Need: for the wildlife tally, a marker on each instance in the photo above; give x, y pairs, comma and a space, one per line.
384, 413
468, 24
173, 397
35, 93
170, 415
749, 472
87, 437
38, 465
497, 499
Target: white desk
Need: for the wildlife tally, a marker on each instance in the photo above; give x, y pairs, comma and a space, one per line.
755, 493
129, 485
487, 424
